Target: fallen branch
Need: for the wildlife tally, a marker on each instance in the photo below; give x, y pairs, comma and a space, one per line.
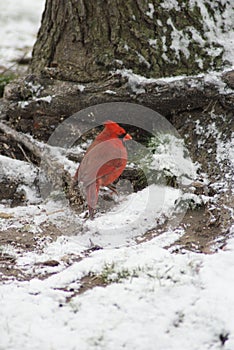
52, 167
33, 146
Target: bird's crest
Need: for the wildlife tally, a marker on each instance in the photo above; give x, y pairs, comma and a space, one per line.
114, 127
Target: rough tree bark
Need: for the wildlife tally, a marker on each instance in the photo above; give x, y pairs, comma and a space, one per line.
83, 40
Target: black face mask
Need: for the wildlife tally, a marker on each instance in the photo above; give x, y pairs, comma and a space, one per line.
122, 136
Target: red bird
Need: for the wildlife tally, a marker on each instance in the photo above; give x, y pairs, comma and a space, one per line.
103, 163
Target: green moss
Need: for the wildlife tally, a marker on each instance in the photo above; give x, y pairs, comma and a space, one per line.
4, 80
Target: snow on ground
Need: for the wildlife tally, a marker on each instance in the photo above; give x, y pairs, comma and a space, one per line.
154, 299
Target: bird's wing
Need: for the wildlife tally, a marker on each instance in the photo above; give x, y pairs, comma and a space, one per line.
102, 160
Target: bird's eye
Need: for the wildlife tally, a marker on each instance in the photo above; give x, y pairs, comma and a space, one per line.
121, 136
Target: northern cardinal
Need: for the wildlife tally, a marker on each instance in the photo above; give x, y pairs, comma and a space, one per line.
103, 163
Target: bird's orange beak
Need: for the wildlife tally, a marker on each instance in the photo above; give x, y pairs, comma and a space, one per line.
127, 137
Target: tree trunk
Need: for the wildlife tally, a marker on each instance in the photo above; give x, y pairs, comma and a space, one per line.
83, 40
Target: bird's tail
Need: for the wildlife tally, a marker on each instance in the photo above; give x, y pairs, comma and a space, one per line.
92, 197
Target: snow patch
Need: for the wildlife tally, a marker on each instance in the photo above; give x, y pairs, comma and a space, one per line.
151, 11
131, 218
172, 154
180, 41
161, 294
81, 87
17, 169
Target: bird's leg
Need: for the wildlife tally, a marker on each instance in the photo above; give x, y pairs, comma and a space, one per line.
112, 188
92, 197
91, 213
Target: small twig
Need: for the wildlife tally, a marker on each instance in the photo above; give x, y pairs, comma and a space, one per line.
211, 105
9, 68
15, 63
25, 155
55, 212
